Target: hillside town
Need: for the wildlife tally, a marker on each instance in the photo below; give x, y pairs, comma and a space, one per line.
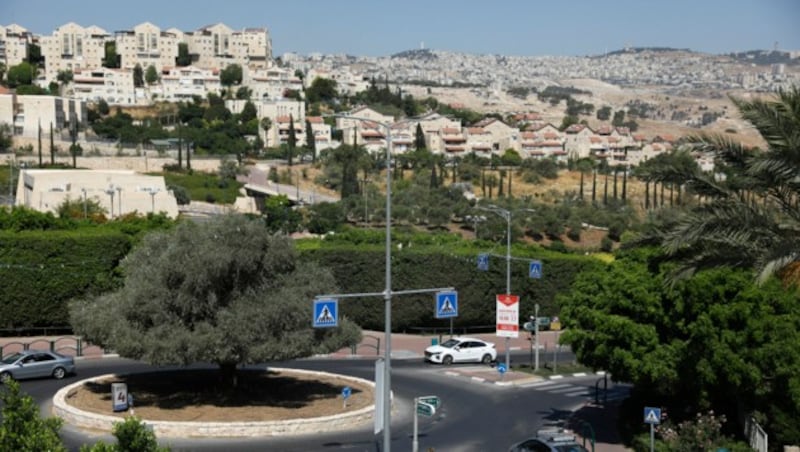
77, 67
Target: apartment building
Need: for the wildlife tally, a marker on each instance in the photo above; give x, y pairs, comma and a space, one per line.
505, 136
113, 85
14, 41
147, 45
270, 83
367, 130
217, 46
72, 47
30, 113
273, 109
183, 83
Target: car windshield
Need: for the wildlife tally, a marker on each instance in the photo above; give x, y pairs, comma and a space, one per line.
11, 358
450, 343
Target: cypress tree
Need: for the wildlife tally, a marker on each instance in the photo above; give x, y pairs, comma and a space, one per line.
40, 144
52, 146
311, 143
292, 139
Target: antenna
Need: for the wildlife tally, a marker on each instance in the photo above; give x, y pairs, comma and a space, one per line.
775, 46
422, 45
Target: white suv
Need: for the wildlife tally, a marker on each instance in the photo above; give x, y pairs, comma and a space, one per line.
461, 350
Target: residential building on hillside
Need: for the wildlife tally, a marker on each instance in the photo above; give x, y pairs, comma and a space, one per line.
183, 83
369, 121
270, 83
72, 48
504, 136
274, 109
217, 46
147, 45
31, 113
118, 192
113, 85
14, 41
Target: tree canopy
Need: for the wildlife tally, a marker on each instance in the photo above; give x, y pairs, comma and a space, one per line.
717, 339
226, 292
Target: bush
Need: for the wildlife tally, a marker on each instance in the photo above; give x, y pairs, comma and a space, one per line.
606, 245
21, 426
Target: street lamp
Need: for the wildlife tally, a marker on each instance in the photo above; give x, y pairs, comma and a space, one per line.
85, 210
119, 201
506, 214
152, 192
110, 193
387, 294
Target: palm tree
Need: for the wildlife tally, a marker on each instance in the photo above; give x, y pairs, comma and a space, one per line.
752, 216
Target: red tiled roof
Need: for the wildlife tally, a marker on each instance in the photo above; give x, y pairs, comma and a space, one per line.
450, 131
314, 119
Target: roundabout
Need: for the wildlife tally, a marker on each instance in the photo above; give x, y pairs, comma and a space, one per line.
270, 402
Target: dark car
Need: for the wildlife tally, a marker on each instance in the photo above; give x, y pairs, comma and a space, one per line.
34, 364
549, 440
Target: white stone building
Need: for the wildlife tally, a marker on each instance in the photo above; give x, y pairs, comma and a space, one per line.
120, 192
113, 85
147, 45
14, 41
72, 48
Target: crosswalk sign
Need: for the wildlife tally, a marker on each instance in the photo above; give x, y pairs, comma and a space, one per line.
535, 270
446, 305
326, 313
483, 262
652, 415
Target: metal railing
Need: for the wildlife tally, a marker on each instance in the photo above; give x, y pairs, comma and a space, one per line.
65, 345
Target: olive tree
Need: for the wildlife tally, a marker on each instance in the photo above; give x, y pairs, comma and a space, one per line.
226, 292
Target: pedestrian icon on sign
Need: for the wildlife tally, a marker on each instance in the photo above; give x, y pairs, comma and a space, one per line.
446, 305
326, 313
483, 262
535, 270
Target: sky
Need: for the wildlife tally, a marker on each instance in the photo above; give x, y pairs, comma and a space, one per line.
504, 27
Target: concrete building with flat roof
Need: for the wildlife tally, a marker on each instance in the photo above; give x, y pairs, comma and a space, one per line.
119, 192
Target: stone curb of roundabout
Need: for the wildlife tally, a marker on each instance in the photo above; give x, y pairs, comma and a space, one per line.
91, 420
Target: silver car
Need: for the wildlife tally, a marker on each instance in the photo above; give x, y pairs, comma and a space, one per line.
36, 363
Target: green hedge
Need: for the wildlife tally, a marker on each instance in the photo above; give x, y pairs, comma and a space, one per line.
426, 264
40, 271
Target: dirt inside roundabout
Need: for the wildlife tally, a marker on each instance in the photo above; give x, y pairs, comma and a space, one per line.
199, 396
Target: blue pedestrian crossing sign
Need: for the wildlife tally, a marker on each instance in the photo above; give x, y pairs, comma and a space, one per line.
652, 415
535, 270
483, 262
446, 305
501, 368
326, 313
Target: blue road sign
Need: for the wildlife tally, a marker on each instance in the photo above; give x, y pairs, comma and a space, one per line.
652, 415
483, 262
346, 391
535, 270
501, 368
326, 313
446, 305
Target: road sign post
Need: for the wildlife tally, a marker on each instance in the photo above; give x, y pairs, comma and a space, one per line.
426, 406
507, 319
346, 391
652, 416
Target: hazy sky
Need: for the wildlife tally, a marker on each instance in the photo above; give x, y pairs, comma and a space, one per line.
509, 27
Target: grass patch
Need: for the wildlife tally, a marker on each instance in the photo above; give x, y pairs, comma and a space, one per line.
205, 187
546, 368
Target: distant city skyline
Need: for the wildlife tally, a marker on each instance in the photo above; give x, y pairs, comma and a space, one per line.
522, 28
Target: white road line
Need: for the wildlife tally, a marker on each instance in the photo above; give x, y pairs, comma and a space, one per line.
571, 388
557, 387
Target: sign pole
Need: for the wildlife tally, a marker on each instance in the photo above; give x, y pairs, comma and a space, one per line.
652, 437
451, 327
536, 335
415, 442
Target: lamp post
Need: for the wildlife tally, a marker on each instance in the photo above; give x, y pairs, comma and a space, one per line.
505, 214
152, 191
110, 193
85, 210
387, 294
119, 201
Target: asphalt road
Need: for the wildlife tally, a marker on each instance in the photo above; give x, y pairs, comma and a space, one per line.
474, 416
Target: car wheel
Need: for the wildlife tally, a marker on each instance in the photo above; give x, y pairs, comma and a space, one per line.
4, 377
59, 372
487, 359
447, 360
